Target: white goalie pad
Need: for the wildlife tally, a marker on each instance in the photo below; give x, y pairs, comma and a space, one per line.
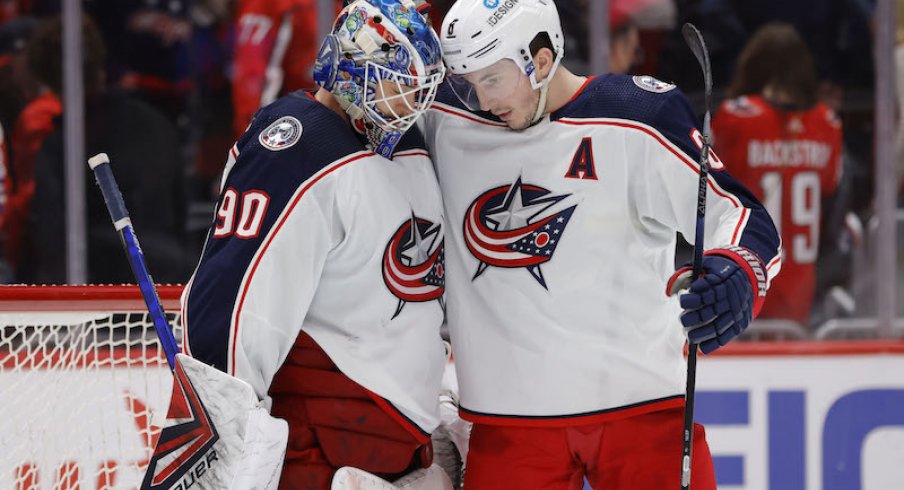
432, 478
217, 435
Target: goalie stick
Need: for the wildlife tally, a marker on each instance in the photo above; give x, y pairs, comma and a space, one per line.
217, 436
100, 164
694, 40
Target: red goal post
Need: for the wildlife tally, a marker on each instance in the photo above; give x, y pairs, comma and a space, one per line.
85, 385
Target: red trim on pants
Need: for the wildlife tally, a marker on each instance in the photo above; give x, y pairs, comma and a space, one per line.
637, 453
335, 422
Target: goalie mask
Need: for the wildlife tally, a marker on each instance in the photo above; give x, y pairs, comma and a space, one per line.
494, 37
383, 63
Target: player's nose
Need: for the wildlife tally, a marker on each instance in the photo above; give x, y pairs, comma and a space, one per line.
486, 103
401, 106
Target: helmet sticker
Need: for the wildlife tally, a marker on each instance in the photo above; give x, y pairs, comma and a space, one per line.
282, 134
490, 4
651, 84
355, 21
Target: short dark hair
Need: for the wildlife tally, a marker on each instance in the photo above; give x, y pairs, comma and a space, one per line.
44, 54
776, 55
540, 41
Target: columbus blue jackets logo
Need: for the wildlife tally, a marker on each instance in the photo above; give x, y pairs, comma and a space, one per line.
187, 438
651, 84
414, 263
282, 134
511, 227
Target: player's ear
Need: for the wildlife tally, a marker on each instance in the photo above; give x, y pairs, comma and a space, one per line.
543, 63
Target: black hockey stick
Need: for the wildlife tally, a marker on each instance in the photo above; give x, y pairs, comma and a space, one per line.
694, 40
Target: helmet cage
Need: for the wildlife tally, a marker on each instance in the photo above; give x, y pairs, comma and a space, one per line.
386, 88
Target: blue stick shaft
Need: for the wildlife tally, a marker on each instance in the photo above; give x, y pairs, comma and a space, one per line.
120, 216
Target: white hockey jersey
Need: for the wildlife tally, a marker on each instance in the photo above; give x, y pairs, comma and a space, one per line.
561, 239
315, 233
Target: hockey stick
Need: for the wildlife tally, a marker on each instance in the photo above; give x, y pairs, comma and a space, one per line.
100, 164
694, 40
220, 433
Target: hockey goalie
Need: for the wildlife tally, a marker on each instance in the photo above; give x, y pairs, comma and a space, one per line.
312, 321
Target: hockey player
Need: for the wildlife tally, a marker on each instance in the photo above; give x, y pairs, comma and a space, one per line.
321, 281
275, 47
786, 147
563, 195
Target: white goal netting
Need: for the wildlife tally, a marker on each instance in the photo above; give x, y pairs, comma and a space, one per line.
85, 386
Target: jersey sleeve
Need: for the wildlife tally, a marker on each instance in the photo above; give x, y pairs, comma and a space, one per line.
734, 216
276, 221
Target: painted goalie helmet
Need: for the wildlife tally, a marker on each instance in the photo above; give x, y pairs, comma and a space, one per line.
383, 62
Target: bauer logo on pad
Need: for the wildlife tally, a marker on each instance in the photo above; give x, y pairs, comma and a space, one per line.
185, 448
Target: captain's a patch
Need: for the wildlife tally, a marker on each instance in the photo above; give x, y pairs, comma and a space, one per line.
282, 134
651, 84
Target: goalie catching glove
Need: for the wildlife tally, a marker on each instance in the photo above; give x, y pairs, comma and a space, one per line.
720, 304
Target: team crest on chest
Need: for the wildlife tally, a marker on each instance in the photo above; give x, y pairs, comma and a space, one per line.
511, 227
414, 264
282, 134
651, 84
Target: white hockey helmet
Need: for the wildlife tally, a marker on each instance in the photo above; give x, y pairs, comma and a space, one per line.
381, 53
479, 33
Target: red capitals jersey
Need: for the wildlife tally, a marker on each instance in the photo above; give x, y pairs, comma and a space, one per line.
276, 43
791, 160
34, 125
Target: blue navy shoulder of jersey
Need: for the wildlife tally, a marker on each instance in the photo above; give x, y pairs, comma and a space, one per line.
292, 143
640, 99
292, 139
663, 110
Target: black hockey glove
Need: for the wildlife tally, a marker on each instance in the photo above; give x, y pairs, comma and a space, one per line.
719, 305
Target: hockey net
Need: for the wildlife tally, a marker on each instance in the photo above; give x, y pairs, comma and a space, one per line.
85, 385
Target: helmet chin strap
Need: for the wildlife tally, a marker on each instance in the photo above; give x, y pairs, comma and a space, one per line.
544, 89
541, 104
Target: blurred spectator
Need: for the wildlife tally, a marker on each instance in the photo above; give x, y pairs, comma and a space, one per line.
15, 88
837, 33
275, 46
142, 144
636, 28
149, 50
5, 272
437, 11
211, 114
624, 43
785, 146
36, 121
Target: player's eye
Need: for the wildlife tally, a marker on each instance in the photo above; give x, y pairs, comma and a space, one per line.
490, 82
